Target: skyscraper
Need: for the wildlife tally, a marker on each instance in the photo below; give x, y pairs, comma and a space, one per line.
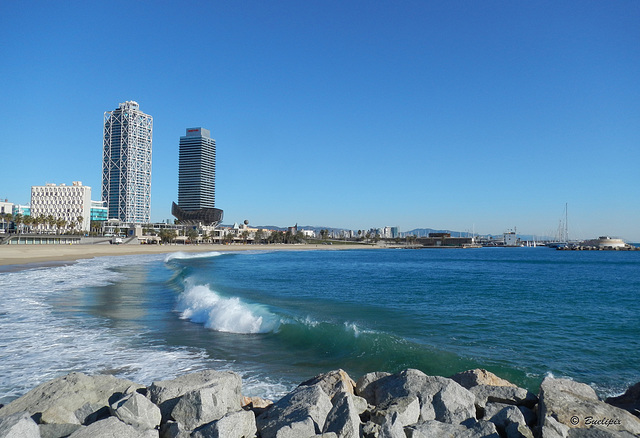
197, 179
126, 163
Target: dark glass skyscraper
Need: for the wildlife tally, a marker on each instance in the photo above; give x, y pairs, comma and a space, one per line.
197, 170
197, 178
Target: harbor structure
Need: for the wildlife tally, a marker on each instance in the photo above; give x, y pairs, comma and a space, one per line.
69, 203
197, 179
126, 163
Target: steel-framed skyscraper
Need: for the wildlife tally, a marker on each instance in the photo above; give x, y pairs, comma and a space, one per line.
197, 179
126, 163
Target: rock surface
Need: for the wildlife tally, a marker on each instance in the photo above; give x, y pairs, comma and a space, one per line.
568, 408
408, 404
57, 401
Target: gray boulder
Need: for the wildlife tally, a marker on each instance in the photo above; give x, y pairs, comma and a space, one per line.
301, 413
392, 428
566, 405
511, 395
440, 398
364, 387
113, 428
205, 405
491, 409
437, 429
333, 383
58, 400
18, 425
241, 424
167, 393
511, 423
344, 418
407, 410
136, 410
173, 429
57, 430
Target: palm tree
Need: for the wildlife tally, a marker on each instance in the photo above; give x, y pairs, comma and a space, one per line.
80, 219
60, 223
50, 220
28, 221
18, 219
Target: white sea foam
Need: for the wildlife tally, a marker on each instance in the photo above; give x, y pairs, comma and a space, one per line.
191, 255
200, 304
39, 341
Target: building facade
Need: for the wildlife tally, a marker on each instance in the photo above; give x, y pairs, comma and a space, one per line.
197, 179
126, 163
70, 203
197, 170
99, 212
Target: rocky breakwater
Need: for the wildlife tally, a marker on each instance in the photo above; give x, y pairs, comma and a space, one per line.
408, 404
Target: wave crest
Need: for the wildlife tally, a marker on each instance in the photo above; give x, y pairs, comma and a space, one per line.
180, 255
200, 304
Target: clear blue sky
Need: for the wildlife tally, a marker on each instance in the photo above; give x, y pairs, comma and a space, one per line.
352, 114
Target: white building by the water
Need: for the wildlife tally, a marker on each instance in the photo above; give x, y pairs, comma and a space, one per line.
63, 202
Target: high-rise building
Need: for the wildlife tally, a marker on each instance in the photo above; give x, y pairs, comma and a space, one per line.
197, 170
197, 179
126, 163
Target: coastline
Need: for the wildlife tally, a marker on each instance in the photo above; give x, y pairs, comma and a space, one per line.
40, 255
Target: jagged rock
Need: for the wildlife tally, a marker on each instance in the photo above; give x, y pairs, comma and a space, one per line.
57, 430
241, 424
392, 428
364, 388
440, 398
136, 410
510, 421
576, 406
18, 425
112, 428
511, 395
325, 435
173, 429
371, 430
333, 382
205, 405
491, 409
344, 417
629, 401
167, 393
59, 399
407, 409
437, 429
300, 413
471, 378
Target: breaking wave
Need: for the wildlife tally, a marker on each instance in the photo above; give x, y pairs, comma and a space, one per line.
180, 255
200, 304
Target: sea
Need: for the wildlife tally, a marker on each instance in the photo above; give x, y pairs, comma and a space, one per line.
279, 318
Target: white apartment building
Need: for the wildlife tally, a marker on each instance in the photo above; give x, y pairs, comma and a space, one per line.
63, 202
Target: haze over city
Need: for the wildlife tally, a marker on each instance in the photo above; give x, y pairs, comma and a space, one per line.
353, 115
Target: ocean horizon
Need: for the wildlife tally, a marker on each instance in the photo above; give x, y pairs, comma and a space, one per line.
279, 318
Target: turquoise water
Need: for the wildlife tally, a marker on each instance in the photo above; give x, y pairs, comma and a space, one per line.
279, 318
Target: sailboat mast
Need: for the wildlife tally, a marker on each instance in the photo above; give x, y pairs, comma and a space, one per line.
566, 221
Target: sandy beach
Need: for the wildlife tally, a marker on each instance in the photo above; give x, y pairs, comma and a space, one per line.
29, 254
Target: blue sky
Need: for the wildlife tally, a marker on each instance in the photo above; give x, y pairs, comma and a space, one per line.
356, 114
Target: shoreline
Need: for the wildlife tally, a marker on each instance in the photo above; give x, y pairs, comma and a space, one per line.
50, 255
